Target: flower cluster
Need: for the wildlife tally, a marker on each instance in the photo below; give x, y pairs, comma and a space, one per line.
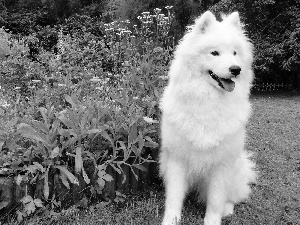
156, 23
117, 30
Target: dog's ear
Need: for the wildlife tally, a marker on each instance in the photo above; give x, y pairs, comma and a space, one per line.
234, 19
204, 21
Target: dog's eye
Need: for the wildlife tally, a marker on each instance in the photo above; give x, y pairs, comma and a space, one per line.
215, 53
234, 53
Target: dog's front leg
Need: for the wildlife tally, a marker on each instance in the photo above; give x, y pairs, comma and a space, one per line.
216, 199
176, 187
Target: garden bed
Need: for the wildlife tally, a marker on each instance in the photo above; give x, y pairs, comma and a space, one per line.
11, 192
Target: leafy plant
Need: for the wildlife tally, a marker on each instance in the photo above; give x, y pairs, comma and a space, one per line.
30, 206
86, 108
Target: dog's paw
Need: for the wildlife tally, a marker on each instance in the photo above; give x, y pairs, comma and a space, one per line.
228, 209
169, 220
212, 219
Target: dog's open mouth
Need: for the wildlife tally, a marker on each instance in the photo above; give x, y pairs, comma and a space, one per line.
226, 84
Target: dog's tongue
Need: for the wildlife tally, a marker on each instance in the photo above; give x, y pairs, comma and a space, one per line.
228, 84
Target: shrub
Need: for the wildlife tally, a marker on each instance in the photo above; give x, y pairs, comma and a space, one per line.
89, 105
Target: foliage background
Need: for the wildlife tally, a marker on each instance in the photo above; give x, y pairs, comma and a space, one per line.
272, 25
81, 82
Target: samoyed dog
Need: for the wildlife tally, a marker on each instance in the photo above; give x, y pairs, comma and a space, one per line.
205, 109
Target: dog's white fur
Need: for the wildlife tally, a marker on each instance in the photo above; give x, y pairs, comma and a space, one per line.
203, 125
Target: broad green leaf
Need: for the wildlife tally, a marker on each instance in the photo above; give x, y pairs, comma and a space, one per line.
46, 184
101, 167
149, 120
65, 132
72, 100
26, 199
141, 140
28, 132
135, 150
36, 166
29, 207
44, 113
1, 144
27, 153
132, 133
84, 119
68, 123
20, 216
64, 180
107, 137
78, 160
75, 119
119, 194
119, 197
54, 130
150, 144
54, 152
156, 93
140, 167
40, 126
39, 166
148, 138
83, 203
19, 179
55, 124
70, 176
69, 100
3, 204
38, 203
94, 122
124, 178
108, 177
94, 131
85, 176
101, 183
153, 103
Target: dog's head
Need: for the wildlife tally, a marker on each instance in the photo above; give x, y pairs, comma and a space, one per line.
218, 52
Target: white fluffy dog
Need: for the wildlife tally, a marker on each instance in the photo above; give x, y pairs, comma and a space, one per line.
205, 109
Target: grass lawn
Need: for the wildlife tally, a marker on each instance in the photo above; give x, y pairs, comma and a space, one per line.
274, 137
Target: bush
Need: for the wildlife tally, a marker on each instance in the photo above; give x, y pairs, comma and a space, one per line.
90, 104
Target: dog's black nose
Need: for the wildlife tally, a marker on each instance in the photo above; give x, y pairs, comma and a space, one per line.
235, 70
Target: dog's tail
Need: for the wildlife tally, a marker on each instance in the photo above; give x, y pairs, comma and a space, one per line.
245, 174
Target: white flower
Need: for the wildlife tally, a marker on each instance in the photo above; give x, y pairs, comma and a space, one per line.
149, 120
164, 77
95, 79
157, 10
